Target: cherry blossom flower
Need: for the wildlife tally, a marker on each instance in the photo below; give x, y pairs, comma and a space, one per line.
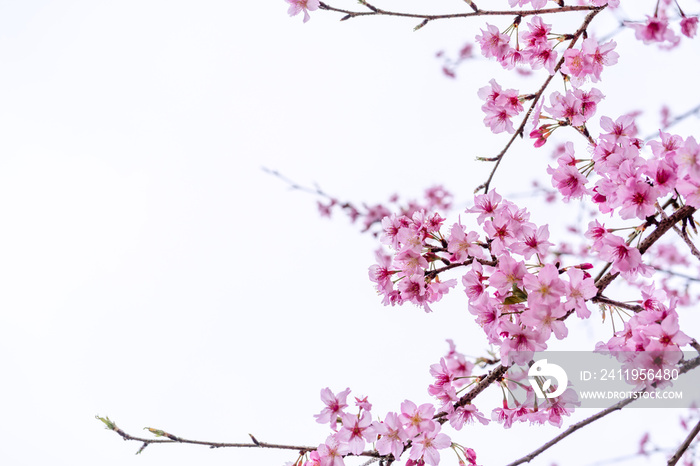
537, 34
334, 406
569, 181
466, 414
509, 273
578, 290
637, 199
493, 43
332, 452
356, 431
654, 30
563, 405
689, 26
533, 242
485, 205
521, 344
297, 6
504, 415
417, 419
625, 259
668, 332
392, 438
427, 444
545, 288
688, 158
462, 244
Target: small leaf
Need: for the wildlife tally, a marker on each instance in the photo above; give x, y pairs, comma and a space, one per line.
518, 296
110, 425
156, 432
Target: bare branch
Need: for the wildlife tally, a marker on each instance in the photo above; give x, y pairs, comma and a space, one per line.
492, 376
684, 446
374, 11
573, 428
685, 367
611, 302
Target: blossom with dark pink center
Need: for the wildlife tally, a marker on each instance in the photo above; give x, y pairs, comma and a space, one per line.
624, 258
334, 406
654, 30
689, 26
297, 6
392, 438
356, 431
427, 444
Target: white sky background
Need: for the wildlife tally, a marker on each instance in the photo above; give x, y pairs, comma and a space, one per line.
150, 271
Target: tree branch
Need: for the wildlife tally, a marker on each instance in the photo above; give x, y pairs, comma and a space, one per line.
684, 446
663, 226
573, 428
497, 373
685, 367
374, 11
175, 439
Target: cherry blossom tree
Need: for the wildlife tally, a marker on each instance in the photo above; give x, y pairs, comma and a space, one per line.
634, 262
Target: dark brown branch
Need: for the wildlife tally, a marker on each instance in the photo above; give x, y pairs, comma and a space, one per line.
693, 249
536, 98
573, 428
611, 302
174, 439
662, 227
496, 374
694, 111
684, 446
685, 367
374, 11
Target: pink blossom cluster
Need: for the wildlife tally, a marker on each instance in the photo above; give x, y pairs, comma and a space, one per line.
500, 107
435, 198
530, 409
631, 183
574, 108
518, 305
414, 429
657, 29
586, 63
535, 49
405, 277
651, 338
454, 371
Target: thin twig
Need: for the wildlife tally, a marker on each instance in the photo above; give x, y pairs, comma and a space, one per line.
175, 439
604, 300
693, 111
685, 367
684, 446
374, 11
573, 428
